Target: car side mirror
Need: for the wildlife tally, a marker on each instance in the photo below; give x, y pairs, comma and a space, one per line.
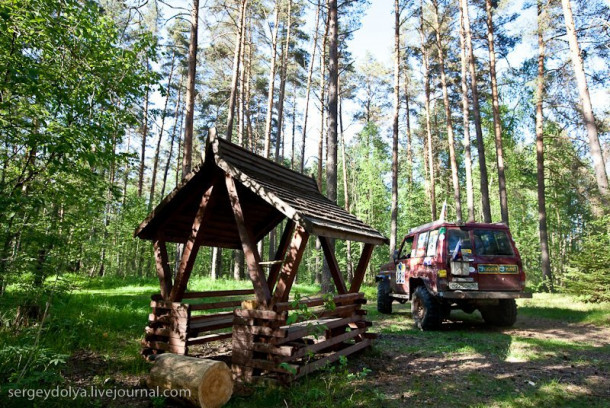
395, 255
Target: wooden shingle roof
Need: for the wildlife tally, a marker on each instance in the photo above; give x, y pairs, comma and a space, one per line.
269, 192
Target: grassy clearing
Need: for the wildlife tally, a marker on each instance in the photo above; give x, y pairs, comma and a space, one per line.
558, 354
565, 308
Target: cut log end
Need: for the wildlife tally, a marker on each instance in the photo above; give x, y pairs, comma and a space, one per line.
209, 382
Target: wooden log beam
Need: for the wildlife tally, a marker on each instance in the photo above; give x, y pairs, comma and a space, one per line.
191, 247
210, 382
335, 272
163, 270
280, 254
318, 301
291, 265
365, 258
257, 276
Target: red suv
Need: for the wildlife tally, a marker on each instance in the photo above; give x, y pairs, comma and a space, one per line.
442, 266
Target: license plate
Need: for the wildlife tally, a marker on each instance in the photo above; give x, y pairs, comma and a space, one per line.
464, 285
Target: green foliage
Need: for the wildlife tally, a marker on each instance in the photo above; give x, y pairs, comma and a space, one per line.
589, 271
69, 87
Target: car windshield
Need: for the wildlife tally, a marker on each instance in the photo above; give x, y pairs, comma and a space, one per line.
454, 236
492, 242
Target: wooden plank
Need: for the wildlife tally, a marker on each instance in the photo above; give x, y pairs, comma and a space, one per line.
273, 349
280, 254
332, 358
218, 293
199, 318
208, 338
210, 325
333, 266
260, 314
318, 346
191, 247
360, 271
257, 276
215, 305
163, 270
318, 301
296, 331
291, 265
260, 330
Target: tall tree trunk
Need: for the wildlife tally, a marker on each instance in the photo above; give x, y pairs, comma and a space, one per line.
248, 81
424, 50
496, 115
127, 170
307, 91
272, 80
466, 118
545, 260
187, 144
394, 203
587, 109
241, 107
322, 100
333, 95
143, 150
486, 208
283, 75
238, 266
236, 64
409, 135
158, 148
348, 243
449, 122
294, 126
216, 269
177, 127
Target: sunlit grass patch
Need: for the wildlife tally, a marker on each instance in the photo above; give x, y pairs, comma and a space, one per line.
566, 308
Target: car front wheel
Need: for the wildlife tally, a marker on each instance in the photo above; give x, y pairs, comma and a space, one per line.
425, 310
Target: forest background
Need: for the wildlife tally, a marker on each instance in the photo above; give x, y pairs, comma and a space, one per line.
106, 104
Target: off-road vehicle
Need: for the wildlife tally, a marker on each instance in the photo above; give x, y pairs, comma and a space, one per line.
442, 266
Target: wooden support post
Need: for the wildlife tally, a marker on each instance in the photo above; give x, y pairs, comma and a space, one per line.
365, 257
335, 272
280, 254
163, 270
291, 265
190, 250
253, 259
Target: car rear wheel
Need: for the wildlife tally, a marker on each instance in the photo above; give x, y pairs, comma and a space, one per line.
384, 301
504, 314
425, 310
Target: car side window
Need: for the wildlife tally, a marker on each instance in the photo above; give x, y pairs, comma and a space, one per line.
414, 247
422, 242
432, 241
406, 251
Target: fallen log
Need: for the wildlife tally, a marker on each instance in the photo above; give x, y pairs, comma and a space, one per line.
209, 382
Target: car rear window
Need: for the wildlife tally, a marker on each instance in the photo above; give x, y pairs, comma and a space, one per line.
454, 236
492, 242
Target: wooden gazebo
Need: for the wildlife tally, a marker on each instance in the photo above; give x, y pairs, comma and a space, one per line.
233, 200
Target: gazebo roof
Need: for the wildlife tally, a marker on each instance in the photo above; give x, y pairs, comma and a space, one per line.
268, 192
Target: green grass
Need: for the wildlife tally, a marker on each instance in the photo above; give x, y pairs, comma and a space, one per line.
566, 308
464, 364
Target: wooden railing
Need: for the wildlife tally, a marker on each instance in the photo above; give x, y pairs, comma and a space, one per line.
264, 343
174, 326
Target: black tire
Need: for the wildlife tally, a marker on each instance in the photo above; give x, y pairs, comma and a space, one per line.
384, 301
504, 314
425, 310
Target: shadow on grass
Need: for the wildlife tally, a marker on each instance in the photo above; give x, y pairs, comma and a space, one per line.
565, 314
